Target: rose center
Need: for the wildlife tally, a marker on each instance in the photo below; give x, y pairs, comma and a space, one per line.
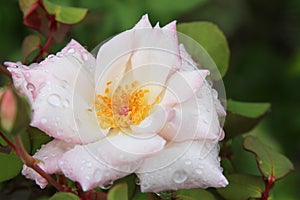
123, 107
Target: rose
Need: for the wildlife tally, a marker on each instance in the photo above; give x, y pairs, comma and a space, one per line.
147, 110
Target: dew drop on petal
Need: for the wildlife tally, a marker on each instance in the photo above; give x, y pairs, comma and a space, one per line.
89, 164
43, 120
54, 100
50, 56
66, 103
198, 171
59, 54
107, 185
30, 87
179, 176
64, 84
188, 162
71, 50
145, 185
85, 56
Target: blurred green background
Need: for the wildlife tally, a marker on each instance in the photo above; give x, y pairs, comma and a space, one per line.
265, 53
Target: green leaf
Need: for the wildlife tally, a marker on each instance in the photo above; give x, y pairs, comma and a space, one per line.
30, 44
10, 166
64, 14
194, 194
212, 39
38, 138
64, 196
118, 192
141, 196
130, 181
243, 116
184, 197
247, 109
242, 161
270, 162
26, 5
242, 186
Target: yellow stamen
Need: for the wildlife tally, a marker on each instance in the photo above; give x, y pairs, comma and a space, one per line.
124, 107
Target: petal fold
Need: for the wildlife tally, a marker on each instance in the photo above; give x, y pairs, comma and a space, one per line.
195, 119
48, 157
109, 159
182, 166
61, 93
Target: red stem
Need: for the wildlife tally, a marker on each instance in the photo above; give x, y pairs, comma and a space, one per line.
8, 141
4, 70
32, 163
52, 29
269, 185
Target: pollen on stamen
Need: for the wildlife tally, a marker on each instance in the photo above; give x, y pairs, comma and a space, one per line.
126, 106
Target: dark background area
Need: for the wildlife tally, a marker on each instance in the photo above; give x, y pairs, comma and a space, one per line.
265, 56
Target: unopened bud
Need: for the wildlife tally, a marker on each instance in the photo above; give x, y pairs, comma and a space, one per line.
14, 112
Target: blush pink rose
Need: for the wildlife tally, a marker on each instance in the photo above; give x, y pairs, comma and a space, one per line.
141, 106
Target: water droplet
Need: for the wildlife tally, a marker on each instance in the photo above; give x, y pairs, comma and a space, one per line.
87, 177
71, 50
85, 56
167, 195
137, 181
179, 176
107, 185
89, 164
54, 100
198, 171
260, 162
43, 120
64, 84
188, 162
66, 103
27, 75
97, 175
50, 56
145, 185
30, 87
59, 54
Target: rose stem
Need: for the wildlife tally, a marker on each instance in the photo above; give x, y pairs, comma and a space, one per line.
8, 141
269, 185
32, 163
52, 29
4, 70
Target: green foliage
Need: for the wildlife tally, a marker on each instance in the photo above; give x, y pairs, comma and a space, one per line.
118, 192
270, 162
30, 45
141, 196
11, 166
64, 196
26, 5
243, 116
38, 138
257, 73
242, 186
212, 39
64, 14
194, 194
130, 181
